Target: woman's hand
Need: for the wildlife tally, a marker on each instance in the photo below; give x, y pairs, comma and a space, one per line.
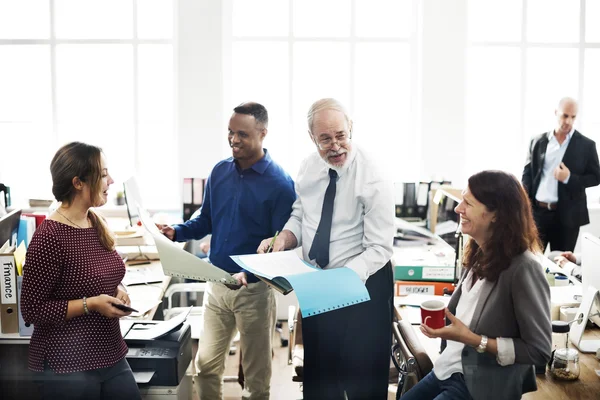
123, 296
103, 304
456, 331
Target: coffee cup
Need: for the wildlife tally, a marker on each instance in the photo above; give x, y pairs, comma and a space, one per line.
433, 314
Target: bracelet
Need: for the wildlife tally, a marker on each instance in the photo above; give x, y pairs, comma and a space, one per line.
86, 311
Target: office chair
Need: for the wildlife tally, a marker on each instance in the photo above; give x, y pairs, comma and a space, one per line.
409, 357
296, 346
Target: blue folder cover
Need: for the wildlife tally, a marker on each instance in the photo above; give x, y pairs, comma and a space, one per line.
322, 290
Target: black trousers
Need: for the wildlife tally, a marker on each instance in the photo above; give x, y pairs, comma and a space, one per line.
348, 350
551, 230
111, 383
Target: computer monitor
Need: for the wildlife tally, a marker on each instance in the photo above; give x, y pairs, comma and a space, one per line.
9, 227
590, 302
132, 199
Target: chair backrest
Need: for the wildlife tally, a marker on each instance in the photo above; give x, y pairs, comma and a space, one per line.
409, 357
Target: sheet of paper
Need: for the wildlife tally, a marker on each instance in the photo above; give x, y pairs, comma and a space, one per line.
148, 273
178, 262
270, 265
156, 330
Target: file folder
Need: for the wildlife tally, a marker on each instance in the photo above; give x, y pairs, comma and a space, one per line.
9, 317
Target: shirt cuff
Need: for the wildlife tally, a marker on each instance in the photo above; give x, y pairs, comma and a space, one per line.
506, 351
567, 180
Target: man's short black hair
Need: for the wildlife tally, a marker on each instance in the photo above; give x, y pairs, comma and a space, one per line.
258, 111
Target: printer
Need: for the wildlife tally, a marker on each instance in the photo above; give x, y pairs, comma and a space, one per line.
160, 361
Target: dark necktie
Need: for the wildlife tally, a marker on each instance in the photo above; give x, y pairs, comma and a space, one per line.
320, 246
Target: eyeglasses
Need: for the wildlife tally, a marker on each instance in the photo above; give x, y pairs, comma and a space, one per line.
327, 143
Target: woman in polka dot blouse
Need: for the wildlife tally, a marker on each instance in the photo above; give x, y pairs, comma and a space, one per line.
71, 282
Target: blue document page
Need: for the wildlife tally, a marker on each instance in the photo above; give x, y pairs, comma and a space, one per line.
318, 290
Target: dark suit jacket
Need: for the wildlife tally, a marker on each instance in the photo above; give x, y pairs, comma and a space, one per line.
516, 306
581, 158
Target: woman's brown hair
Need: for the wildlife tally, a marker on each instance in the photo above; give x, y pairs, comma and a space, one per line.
84, 161
512, 232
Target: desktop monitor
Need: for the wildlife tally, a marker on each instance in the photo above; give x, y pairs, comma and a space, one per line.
9, 227
590, 302
132, 200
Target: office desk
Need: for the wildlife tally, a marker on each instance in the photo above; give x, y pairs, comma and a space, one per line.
15, 377
586, 387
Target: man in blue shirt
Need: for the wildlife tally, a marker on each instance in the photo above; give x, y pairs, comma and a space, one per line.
248, 198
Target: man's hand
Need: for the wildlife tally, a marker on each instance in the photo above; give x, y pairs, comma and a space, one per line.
166, 230
278, 245
565, 257
242, 281
456, 331
561, 173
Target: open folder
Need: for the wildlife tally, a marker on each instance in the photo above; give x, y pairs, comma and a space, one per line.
178, 262
318, 290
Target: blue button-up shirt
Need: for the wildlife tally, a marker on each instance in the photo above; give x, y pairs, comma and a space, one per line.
240, 209
548, 188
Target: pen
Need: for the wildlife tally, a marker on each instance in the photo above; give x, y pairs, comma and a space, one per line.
270, 248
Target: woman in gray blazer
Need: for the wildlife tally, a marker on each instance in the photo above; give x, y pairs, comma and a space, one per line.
498, 319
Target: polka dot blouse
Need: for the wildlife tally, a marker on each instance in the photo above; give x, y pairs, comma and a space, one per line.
65, 263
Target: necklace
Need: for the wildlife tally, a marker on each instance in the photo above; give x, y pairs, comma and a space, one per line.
65, 217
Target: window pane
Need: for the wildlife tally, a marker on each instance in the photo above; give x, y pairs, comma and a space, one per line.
384, 18
267, 83
94, 83
115, 139
329, 18
260, 18
155, 83
590, 117
553, 21
493, 110
25, 84
24, 19
93, 19
155, 19
495, 21
383, 119
157, 142
321, 69
551, 75
25, 162
592, 15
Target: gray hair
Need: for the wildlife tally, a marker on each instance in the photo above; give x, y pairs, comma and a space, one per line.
327, 104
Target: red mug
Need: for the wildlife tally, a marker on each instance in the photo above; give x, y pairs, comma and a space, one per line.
433, 314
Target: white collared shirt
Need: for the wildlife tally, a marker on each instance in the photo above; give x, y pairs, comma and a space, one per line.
450, 361
362, 231
548, 189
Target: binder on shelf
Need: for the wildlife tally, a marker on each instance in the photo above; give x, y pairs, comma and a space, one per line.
25, 328
9, 316
438, 273
409, 208
422, 200
193, 195
404, 288
399, 198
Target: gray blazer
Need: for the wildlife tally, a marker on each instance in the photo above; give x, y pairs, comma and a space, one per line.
516, 306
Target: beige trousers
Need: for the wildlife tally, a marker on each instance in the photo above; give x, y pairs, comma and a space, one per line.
252, 311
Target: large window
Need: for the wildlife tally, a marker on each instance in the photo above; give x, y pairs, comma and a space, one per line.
286, 54
96, 71
523, 56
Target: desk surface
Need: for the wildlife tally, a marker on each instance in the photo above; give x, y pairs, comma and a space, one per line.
154, 291
586, 387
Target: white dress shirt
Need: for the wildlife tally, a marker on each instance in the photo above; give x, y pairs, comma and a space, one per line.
548, 189
450, 361
362, 229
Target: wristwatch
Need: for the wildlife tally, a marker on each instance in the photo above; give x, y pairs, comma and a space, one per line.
482, 345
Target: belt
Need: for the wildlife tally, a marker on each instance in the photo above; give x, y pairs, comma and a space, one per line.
548, 206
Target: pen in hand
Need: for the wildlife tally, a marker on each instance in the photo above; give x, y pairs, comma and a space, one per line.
270, 248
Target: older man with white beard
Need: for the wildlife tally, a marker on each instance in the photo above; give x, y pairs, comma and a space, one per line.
344, 217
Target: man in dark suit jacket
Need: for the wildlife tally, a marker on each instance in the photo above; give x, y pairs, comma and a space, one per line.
561, 164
